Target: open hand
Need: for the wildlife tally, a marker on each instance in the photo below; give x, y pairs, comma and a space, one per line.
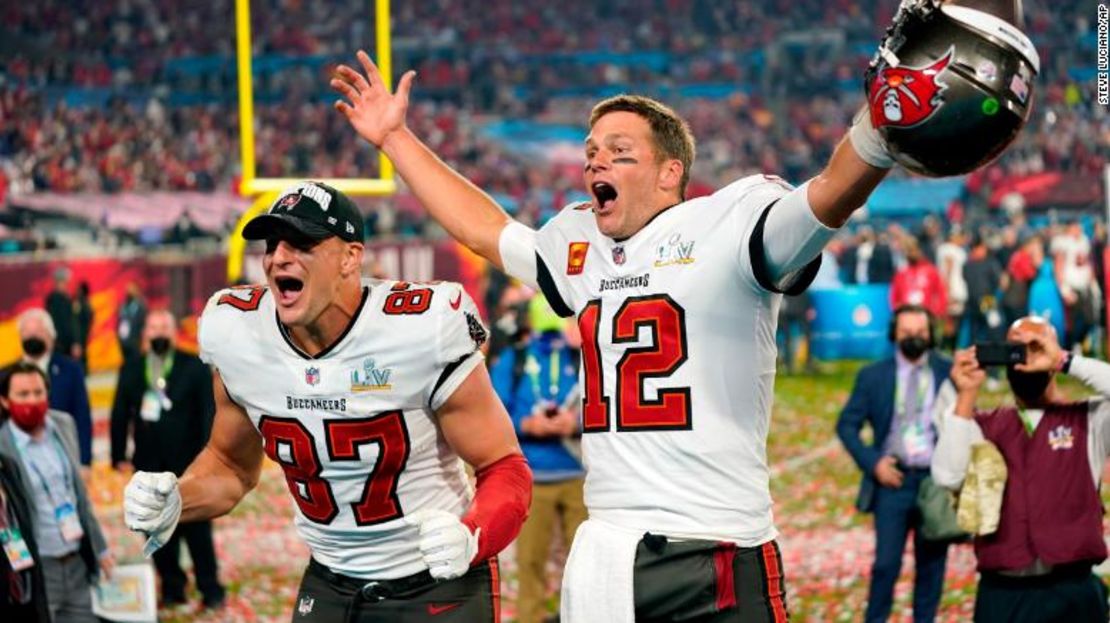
372, 110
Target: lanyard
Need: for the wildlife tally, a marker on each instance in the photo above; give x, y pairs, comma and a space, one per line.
42, 478
160, 382
533, 369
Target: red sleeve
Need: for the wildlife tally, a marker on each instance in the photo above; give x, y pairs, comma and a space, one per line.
501, 502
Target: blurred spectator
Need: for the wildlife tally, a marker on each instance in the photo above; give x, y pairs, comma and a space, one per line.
983, 275
164, 403
512, 322
71, 546
132, 318
1075, 278
537, 379
1024, 265
828, 275
918, 282
60, 307
68, 392
951, 257
896, 397
83, 313
930, 238
795, 314
869, 261
22, 587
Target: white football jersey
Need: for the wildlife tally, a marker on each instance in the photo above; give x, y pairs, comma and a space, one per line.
678, 361
354, 428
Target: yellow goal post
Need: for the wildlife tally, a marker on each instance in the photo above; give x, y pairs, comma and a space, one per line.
265, 190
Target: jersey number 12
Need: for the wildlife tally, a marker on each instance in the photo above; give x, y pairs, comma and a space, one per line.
670, 410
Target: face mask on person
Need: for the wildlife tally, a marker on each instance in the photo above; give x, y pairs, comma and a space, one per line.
28, 416
160, 345
913, 347
34, 347
1029, 387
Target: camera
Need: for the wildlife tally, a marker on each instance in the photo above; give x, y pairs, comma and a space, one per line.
999, 353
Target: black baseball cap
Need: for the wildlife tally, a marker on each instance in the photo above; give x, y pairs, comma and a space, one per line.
314, 210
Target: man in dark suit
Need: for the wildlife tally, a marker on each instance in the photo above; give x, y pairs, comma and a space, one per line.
895, 397
869, 261
68, 392
22, 587
71, 546
59, 305
164, 399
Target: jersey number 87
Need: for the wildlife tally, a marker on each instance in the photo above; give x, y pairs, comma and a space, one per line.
291, 445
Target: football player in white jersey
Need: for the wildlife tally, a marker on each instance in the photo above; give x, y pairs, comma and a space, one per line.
370, 394
677, 302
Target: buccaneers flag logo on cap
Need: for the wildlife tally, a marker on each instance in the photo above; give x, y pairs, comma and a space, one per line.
906, 96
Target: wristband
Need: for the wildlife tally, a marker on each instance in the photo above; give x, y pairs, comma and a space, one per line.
867, 142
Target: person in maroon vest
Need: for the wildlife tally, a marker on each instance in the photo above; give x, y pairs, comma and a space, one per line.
1037, 566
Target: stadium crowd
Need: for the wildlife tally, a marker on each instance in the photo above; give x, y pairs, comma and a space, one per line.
789, 104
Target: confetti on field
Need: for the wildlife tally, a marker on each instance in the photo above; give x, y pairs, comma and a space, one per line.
827, 545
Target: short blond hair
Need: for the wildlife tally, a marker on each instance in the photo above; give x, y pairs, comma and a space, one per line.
669, 131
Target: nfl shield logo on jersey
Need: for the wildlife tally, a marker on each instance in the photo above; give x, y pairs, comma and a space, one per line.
312, 375
618, 255
305, 606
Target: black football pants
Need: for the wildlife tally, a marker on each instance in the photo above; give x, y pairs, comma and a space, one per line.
327, 597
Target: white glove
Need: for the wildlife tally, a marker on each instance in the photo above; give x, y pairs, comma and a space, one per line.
446, 544
152, 506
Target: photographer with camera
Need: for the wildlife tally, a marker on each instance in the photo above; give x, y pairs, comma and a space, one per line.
1037, 566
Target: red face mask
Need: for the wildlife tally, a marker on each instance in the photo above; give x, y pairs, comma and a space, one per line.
28, 416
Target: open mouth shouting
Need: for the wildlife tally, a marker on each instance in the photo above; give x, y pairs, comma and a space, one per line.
605, 194
288, 290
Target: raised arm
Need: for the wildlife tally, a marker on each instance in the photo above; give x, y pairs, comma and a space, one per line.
800, 223
857, 166
1043, 354
467, 213
959, 431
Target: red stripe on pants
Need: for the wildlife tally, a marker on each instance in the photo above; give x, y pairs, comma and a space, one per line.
495, 587
723, 558
774, 581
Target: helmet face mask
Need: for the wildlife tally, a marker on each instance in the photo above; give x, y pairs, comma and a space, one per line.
950, 87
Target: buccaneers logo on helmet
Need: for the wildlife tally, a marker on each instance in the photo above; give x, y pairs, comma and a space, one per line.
906, 96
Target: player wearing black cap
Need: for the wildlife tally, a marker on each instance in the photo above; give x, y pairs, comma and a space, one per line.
370, 395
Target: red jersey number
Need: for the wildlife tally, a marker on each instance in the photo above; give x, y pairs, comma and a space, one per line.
666, 321
292, 446
249, 301
403, 299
